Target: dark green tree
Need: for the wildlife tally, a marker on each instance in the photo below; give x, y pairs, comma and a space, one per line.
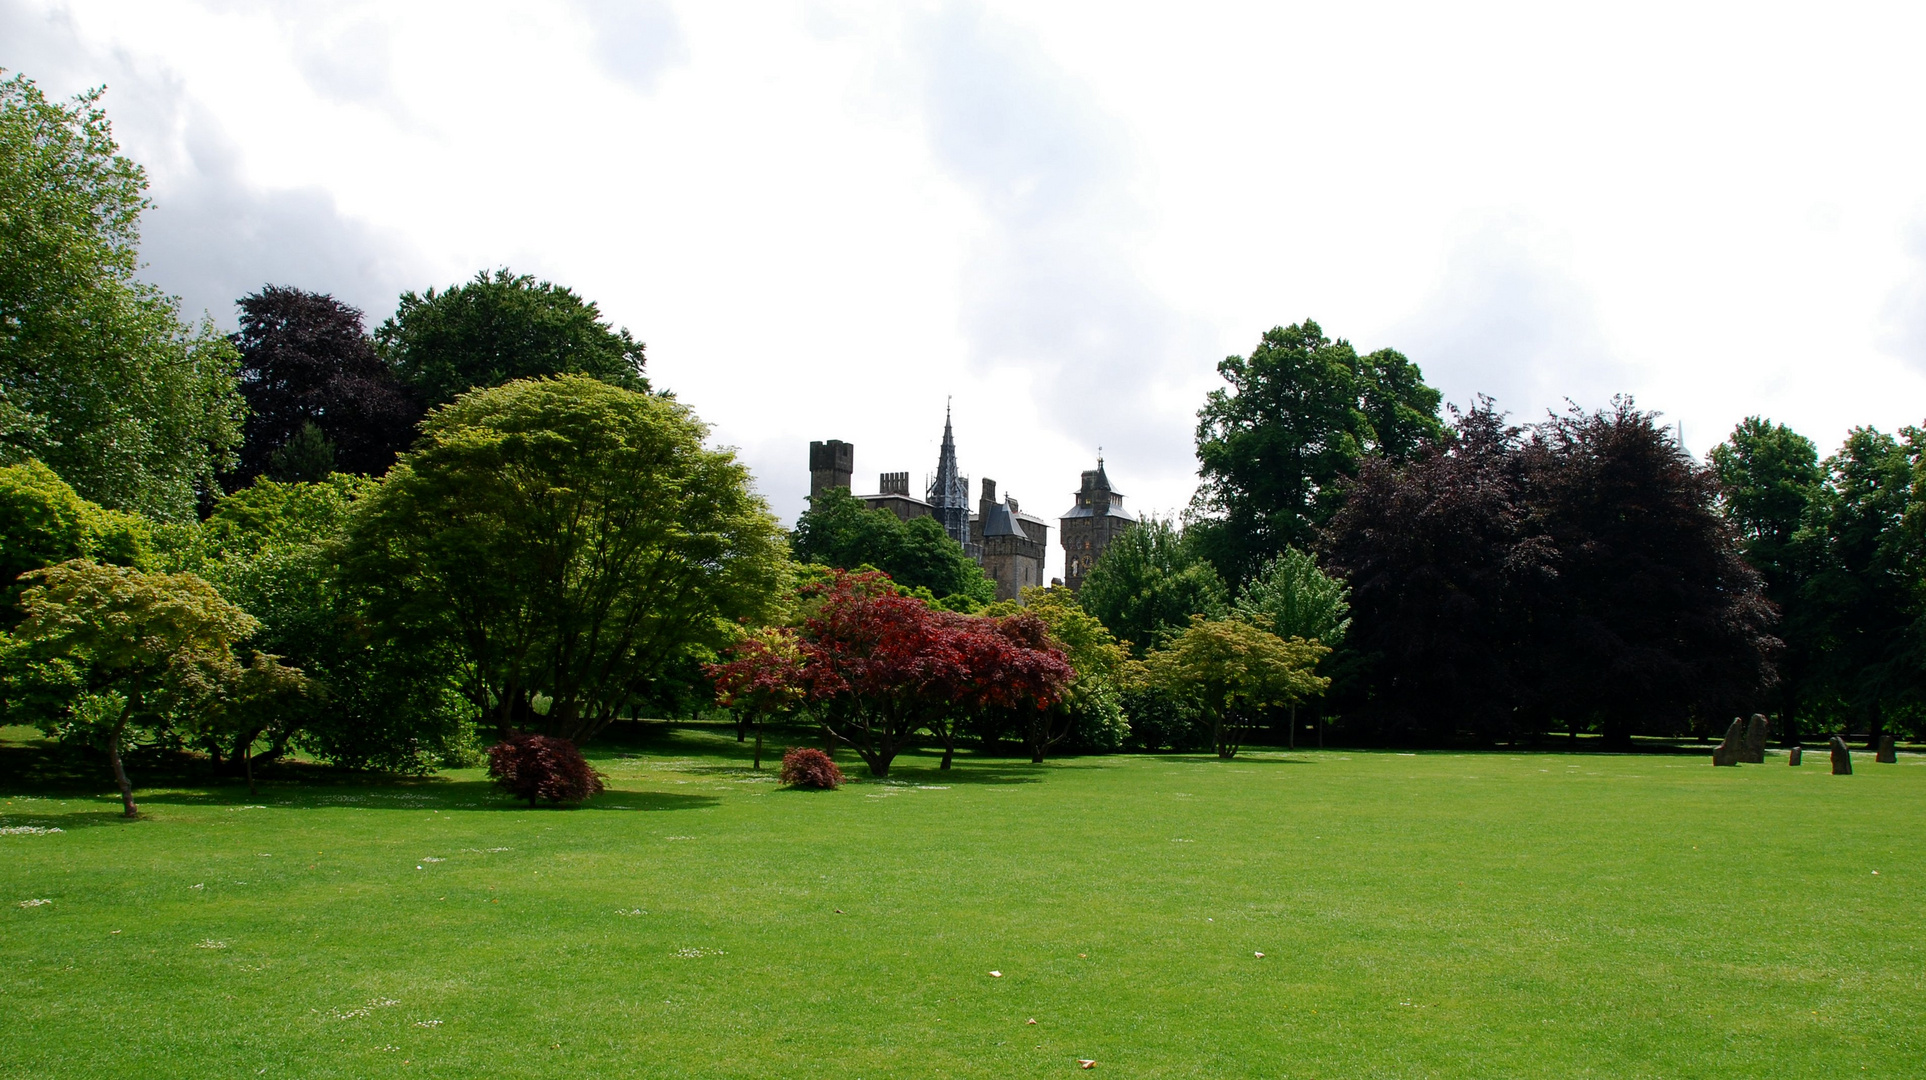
574, 540
1867, 595
1149, 582
99, 377
1769, 483
839, 530
1275, 446
501, 327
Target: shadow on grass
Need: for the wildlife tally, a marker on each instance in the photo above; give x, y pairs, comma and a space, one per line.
1243, 758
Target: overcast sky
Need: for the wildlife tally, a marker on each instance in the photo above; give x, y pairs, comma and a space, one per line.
825, 219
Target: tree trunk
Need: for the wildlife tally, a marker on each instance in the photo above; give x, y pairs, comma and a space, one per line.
1875, 726
1320, 731
1292, 741
247, 762
758, 742
120, 772
949, 744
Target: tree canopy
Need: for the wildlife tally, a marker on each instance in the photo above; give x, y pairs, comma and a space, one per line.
99, 378
1149, 582
1291, 597
574, 539
839, 530
1581, 576
311, 375
104, 648
1232, 666
500, 327
1275, 446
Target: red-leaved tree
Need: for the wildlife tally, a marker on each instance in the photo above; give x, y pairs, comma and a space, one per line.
883, 667
762, 677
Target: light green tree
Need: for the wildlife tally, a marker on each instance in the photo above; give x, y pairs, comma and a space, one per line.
99, 377
106, 649
1148, 583
1231, 666
573, 540
1294, 598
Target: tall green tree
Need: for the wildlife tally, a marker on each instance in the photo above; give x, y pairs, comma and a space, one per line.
1770, 482
839, 530
574, 539
1149, 582
390, 702
1275, 445
500, 327
1294, 598
99, 377
1867, 594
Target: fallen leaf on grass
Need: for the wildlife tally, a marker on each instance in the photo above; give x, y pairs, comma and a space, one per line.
1086, 1063
996, 974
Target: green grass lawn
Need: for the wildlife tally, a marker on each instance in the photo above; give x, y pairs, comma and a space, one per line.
1427, 915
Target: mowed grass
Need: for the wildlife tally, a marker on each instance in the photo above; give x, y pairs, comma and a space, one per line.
1420, 915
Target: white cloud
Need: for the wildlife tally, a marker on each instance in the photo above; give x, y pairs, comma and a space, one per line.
824, 219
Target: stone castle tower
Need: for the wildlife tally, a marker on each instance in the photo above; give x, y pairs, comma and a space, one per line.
1011, 544
1008, 544
1090, 525
831, 465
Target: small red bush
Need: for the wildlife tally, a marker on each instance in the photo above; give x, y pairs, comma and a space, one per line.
538, 767
806, 766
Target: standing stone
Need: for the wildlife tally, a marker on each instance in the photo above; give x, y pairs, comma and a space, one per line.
1729, 751
1755, 739
1793, 757
1887, 754
1841, 757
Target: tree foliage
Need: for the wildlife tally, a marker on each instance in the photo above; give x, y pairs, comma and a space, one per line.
1232, 666
99, 378
498, 328
1578, 575
1293, 598
106, 649
1275, 446
320, 398
390, 699
43, 521
1149, 582
1861, 611
572, 539
540, 767
880, 667
839, 530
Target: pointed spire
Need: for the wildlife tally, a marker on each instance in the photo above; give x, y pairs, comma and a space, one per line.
949, 493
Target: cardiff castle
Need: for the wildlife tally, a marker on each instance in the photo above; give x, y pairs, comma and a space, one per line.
1006, 542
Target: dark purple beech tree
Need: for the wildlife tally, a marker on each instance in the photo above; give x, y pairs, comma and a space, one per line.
1576, 575
1655, 622
1443, 569
320, 398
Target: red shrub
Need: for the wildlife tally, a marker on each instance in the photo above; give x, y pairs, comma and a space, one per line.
539, 767
806, 766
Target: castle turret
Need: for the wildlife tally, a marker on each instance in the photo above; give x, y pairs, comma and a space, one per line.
831, 464
1089, 526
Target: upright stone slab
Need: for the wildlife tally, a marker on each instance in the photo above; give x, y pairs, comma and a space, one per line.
1888, 755
1729, 751
1793, 757
1755, 739
1841, 757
